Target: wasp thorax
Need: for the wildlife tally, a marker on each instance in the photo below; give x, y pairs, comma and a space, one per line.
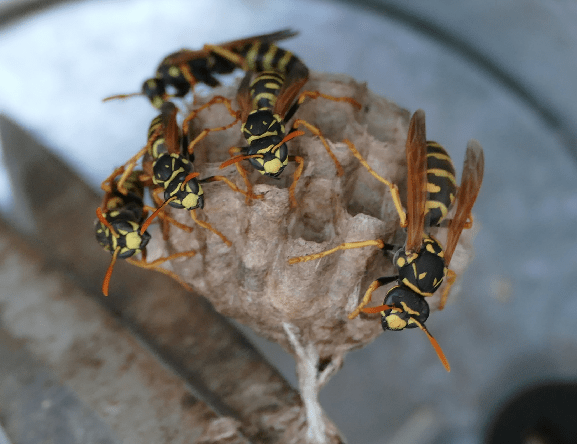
262, 123
167, 166
424, 270
408, 307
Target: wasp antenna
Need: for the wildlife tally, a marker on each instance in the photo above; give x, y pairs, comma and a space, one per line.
148, 221
376, 309
108, 275
121, 96
435, 345
286, 138
187, 179
237, 159
107, 224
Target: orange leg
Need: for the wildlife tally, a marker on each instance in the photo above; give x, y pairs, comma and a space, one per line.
209, 227
232, 186
368, 295
205, 132
170, 220
451, 278
345, 246
394, 189
317, 94
296, 176
317, 132
154, 265
243, 173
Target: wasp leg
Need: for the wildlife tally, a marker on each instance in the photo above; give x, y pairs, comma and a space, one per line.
209, 227
317, 94
243, 173
317, 132
368, 294
345, 246
154, 265
170, 220
205, 132
232, 186
129, 166
394, 189
106, 184
158, 201
451, 278
296, 177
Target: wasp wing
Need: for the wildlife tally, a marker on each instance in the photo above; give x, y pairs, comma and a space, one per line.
417, 181
243, 97
466, 195
186, 55
263, 38
292, 86
171, 130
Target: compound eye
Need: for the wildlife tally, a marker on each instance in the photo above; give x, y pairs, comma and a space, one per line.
282, 153
162, 169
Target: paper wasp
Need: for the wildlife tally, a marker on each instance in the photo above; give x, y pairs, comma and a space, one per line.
422, 263
168, 164
267, 103
183, 69
119, 228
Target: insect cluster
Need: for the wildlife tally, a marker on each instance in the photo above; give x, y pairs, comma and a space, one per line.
179, 161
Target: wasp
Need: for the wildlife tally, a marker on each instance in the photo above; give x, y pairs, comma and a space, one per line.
169, 166
119, 227
267, 102
183, 69
422, 263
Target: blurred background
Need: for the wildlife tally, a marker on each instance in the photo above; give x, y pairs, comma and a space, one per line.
499, 72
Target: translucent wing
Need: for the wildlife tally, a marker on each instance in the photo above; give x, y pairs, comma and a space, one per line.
243, 97
466, 195
293, 84
171, 130
186, 55
417, 181
264, 38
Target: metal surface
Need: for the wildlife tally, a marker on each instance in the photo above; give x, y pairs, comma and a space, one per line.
214, 359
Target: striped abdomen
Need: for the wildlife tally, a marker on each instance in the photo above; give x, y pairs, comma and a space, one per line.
441, 183
157, 132
261, 56
264, 90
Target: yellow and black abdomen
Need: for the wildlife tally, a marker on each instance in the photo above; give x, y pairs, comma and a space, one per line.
260, 56
264, 90
441, 184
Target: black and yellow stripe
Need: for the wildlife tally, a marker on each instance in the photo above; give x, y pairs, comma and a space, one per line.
260, 56
441, 184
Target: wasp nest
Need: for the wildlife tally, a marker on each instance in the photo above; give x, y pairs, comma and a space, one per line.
303, 307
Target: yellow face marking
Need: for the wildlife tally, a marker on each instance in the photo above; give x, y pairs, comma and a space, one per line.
133, 240
273, 166
395, 322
